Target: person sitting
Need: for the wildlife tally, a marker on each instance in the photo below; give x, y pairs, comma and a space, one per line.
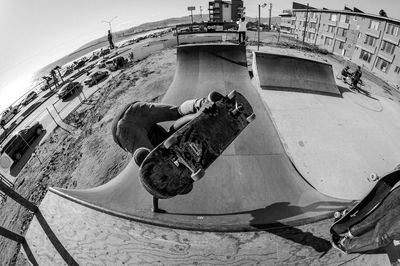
346, 72
136, 130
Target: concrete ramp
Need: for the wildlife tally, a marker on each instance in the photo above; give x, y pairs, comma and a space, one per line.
253, 184
282, 72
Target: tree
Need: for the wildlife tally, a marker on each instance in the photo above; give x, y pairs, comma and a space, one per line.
382, 13
59, 73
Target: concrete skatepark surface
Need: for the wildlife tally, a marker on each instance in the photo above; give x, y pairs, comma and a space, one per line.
255, 166
335, 142
252, 186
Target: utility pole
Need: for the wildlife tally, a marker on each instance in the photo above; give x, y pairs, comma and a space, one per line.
201, 11
191, 8
259, 23
269, 22
305, 25
109, 22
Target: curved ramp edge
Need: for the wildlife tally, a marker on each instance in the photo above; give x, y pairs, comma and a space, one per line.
252, 186
283, 72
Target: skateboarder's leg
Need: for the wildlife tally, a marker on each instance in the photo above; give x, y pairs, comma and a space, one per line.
190, 106
387, 208
194, 105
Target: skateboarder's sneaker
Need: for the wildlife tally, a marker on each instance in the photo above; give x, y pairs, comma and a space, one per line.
140, 154
214, 96
339, 244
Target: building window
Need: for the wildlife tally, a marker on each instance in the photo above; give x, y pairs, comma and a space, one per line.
311, 35
344, 18
397, 70
382, 65
359, 35
341, 45
364, 55
374, 25
392, 30
342, 32
313, 25
369, 40
328, 41
387, 47
331, 28
333, 17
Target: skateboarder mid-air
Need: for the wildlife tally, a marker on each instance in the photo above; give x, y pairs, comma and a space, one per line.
135, 128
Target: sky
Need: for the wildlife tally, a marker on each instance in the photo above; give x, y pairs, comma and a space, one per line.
38, 32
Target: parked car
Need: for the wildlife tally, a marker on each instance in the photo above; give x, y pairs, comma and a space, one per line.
21, 142
101, 63
8, 114
69, 89
44, 87
68, 71
116, 63
104, 52
79, 64
94, 78
93, 57
30, 97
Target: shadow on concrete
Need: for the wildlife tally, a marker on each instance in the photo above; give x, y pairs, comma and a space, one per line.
358, 89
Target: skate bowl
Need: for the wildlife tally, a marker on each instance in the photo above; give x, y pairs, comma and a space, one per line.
283, 72
252, 186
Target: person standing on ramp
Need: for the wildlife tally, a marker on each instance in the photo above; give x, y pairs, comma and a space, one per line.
242, 30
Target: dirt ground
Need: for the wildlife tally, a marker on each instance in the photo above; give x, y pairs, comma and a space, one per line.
88, 157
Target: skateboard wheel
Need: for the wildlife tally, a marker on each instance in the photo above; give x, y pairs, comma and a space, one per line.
231, 95
373, 177
251, 117
170, 141
337, 215
197, 175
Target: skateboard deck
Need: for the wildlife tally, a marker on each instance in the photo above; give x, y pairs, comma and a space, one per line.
171, 168
368, 204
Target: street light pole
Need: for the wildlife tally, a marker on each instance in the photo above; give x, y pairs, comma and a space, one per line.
269, 22
259, 23
109, 22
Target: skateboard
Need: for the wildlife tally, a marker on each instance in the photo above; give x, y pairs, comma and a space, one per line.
346, 219
171, 168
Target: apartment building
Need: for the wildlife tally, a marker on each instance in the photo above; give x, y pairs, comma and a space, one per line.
370, 41
225, 11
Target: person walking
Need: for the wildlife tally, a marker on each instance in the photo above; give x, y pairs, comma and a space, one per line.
110, 40
242, 30
356, 77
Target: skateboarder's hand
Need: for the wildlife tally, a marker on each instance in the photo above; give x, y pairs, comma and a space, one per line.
210, 108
